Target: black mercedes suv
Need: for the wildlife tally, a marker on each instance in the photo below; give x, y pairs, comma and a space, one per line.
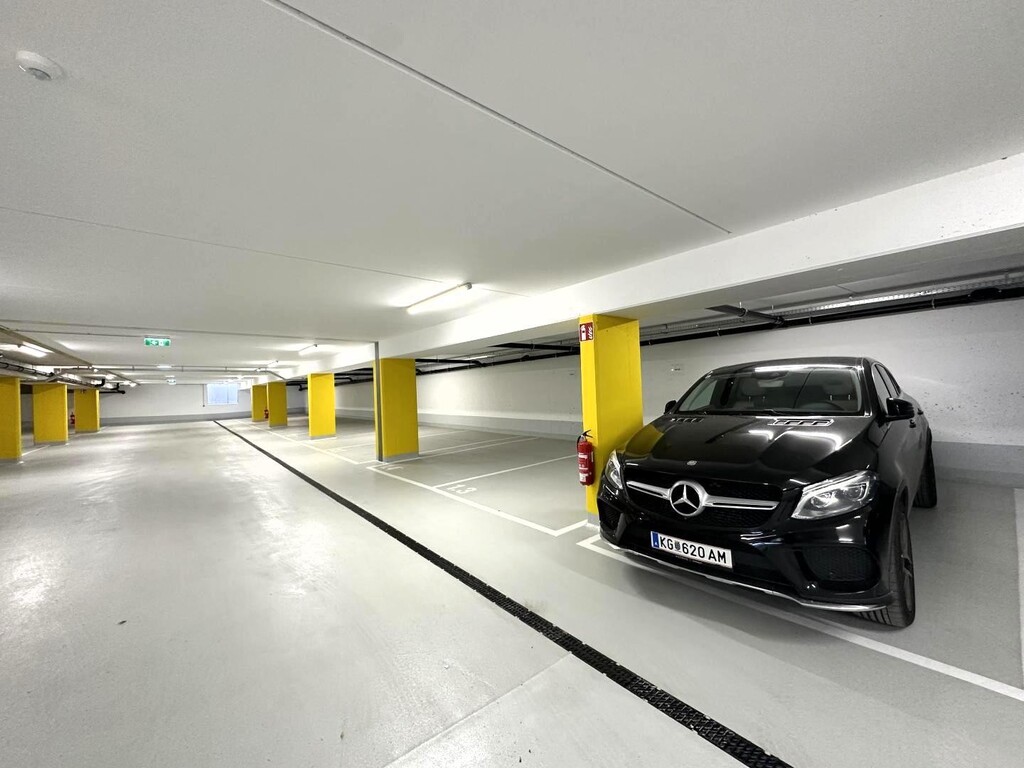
791, 477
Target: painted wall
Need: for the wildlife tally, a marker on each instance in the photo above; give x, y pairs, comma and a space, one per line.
964, 364
155, 403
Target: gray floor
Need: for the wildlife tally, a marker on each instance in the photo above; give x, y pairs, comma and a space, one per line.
265, 624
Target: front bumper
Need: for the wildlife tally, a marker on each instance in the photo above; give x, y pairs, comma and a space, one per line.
833, 564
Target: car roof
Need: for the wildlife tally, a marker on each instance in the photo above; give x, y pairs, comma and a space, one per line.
852, 362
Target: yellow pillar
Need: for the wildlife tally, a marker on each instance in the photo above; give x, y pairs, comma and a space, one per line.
277, 402
87, 410
395, 417
612, 395
320, 404
50, 413
10, 418
259, 402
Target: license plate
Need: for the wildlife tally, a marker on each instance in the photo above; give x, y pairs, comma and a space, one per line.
691, 550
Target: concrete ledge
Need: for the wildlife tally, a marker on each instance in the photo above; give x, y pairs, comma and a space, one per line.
980, 463
516, 426
114, 421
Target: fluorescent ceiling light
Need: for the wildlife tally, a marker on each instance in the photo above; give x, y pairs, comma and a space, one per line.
874, 300
308, 350
441, 300
25, 348
132, 384
164, 367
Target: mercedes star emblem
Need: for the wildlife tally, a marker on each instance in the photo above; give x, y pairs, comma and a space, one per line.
687, 498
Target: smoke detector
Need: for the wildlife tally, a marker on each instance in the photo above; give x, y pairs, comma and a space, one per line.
40, 67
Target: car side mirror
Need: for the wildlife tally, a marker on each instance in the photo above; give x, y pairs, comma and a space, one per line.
670, 405
899, 410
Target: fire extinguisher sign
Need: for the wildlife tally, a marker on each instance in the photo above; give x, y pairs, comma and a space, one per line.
586, 332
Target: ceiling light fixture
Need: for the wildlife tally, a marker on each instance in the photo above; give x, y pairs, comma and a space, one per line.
164, 367
25, 348
439, 301
308, 350
40, 67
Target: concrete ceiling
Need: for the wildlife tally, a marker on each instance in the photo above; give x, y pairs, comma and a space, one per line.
249, 179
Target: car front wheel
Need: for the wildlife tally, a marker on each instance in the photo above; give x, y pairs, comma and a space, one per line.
901, 577
927, 496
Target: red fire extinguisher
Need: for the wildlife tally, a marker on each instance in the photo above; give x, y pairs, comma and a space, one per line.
72, 419
266, 413
585, 458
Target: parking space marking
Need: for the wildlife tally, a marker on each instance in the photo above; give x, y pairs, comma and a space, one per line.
421, 434
388, 469
33, 450
453, 449
481, 507
824, 626
303, 443
503, 471
1018, 497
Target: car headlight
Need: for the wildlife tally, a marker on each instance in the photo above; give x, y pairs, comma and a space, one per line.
836, 496
613, 470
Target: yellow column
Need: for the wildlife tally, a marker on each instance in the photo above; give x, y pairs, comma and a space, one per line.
10, 418
87, 410
612, 395
320, 404
259, 402
50, 413
395, 417
277, 402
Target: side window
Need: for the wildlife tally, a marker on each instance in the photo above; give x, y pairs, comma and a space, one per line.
891, 381
881, 387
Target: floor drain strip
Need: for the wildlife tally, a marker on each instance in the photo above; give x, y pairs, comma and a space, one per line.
725, 739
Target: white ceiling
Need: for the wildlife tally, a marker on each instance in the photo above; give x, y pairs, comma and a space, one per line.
747, 112
236, 170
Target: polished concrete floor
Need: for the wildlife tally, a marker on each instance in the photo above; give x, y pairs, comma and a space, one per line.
169, 596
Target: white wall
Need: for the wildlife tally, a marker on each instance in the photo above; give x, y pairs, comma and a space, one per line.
965, 365
162, 403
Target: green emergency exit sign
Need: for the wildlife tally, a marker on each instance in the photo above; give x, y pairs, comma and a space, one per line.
151, 341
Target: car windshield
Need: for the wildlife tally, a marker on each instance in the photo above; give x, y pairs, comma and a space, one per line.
777, 389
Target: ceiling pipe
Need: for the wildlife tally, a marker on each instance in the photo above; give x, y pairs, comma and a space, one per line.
727, 309
536, 347
56, 378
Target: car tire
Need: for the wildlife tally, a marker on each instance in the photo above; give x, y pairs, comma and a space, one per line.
901, 576
927, 495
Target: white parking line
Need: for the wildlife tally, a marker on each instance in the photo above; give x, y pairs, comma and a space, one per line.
302, 443
1018, 497
481, 507
33, 450
454, 449
503, 471
421, 434
820, 625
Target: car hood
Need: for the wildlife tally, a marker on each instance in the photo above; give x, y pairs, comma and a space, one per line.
783, 451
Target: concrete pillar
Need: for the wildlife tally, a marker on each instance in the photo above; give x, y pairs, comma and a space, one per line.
277, 402
50, 413
259, 402
613, 408
320, 404
87, 410
10, 418
395, 417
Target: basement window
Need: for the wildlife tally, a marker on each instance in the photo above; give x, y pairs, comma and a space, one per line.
222, 393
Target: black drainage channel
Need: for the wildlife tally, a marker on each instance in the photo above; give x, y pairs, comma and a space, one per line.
730, 742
